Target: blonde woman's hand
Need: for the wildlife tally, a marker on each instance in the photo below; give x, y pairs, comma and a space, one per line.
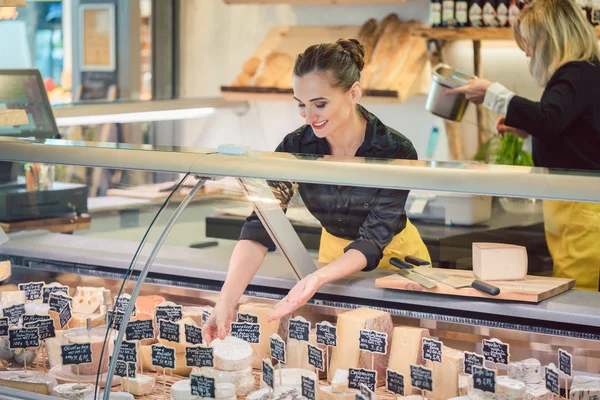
474, 90
296, 298
502, 129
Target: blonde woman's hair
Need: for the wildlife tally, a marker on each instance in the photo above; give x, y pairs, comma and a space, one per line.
556, 32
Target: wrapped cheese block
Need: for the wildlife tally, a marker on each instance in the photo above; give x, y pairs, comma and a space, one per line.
327, 393
526, 371
406, 350
178, 346
347, 354
506, 389
290, 377
29, 381
262, 311
499, 262
584, 388
243, 379
537, 391
73, 391
141, 385
280, 393
446, 373
182, 390
232, 354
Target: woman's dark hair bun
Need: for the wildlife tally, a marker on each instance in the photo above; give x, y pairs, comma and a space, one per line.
355, 49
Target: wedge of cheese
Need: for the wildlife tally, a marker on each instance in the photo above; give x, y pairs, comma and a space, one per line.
405, 350
347, 354
195, 313
526, 371
87, 300
327, 393
262, 311
232, 354
73, 391
179, 346
499, 262
145, 306
584, 388
141, 385
446, 373
29, 381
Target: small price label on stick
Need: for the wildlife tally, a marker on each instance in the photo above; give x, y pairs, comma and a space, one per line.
552, 383
372, 341
432, 350
315, 357
199, 357
33, 290
268, 376
139, 330
299, 329
472, 360
250, 318
565, 362
326, 334
249, 332
496, 351
202, 386
309, 388
193, 334
45, 327
24, 338
163, 357
76, 354
484, 379
421, 377
277, 349
169, 313
394, 382
361, 376
168, 331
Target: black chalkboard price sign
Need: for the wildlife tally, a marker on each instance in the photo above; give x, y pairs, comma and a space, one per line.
127, 352
193, 334
64, 316
250, 318
315, 357
372, 341
496, 351
33, 290
394, 382
24, 338
125, 369
199, 357
484, 379
45, 326
361, 376
421, 377
58, 300
76, 354
472, 360
326, 334
432, 350
249, 332
565, 362
14, 313
299, 329
202, 386
277, 349
552, 383
4, 326
116, 319
205, 316
121, 303
163, 357
139, 330
47, 290
169, 313
28, 318
308, 388
366, 393
267, 374
168, 330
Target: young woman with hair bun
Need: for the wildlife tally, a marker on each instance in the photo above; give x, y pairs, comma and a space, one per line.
362, 227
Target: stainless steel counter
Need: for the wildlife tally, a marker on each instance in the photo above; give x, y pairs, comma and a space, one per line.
574, 313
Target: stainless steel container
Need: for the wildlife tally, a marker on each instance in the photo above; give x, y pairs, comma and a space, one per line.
448, 106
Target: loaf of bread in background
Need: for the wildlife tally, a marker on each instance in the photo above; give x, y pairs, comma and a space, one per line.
367, 36
275, 67
389, 27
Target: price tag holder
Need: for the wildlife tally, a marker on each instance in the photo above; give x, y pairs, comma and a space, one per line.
250, 318
47, 290
394, 382
326, 334
163, 357
58, 300
64, 316
122, 302
168, 331
372, 341
552, 383
496, 351
4, 326
45, 326
127, 352
202, 386
124, 369
14, 313
484, 379
309, 388
139, 330
565, 362
199, 357
421, 377
277, 349
315, 357
169, 313
23, 338
361, 376
472, 360
33, 290
299, 329
193, 334
268, 376
115, 320
76, 354
432, 350
249, 332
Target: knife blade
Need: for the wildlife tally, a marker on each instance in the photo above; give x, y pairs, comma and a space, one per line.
405, 270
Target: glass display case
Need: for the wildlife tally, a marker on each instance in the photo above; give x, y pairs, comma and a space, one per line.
142, 249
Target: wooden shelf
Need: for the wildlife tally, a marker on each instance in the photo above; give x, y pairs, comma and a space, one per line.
468, 33
239, 93
313, 1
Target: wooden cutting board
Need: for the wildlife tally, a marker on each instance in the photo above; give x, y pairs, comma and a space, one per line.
533, 289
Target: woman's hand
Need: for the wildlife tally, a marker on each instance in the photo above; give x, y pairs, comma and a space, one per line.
474, 90
296, 298
503, 129
218, 324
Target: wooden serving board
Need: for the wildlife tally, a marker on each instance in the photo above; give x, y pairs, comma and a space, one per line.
533, 289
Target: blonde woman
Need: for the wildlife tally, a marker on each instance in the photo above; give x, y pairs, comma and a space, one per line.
564, 124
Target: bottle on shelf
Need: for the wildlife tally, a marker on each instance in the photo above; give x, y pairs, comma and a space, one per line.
461, 13
502, 7
489, 14
435, 13
476, 13
448, 18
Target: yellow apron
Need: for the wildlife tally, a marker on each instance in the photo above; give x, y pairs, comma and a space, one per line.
406, 243
573, 238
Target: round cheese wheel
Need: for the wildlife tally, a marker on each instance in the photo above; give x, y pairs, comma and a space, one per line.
243, 380
182, 391
73, 391
232, 354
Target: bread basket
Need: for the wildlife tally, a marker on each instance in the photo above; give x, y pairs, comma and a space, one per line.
448, 106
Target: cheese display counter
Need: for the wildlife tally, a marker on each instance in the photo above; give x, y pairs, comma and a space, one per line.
82, 313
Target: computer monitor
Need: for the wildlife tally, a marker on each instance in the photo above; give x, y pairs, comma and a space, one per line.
24, 89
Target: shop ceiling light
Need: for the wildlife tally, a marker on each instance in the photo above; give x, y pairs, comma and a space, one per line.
124, 118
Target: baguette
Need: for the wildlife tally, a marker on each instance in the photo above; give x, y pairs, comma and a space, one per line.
388, 27
366, 36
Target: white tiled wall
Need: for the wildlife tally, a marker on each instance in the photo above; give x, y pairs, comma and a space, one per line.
217, 39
